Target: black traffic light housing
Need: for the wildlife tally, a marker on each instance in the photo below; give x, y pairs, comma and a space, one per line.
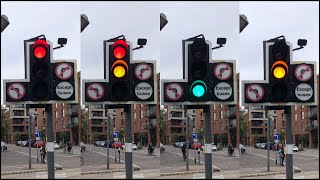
40, 54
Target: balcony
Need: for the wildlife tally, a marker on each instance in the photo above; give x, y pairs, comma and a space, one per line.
18, 121
73, 112
312, 113
18, 113
97, 106
176, 115
151, 112
96, 114
97, 121
231, 113
312, 128
18, 106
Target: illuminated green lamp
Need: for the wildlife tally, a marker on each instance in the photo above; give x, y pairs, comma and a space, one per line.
198, 88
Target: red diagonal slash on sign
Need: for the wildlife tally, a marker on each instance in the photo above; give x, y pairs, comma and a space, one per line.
304, 71
255, 92
64, 70
143, 70
96, 91
174, 91
223, 70
16, 90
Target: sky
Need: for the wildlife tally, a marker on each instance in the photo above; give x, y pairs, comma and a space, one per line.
30, 19
107, 20
189, 19
294, 20
267, 20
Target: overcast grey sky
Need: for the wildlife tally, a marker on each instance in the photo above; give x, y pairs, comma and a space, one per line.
111, 19
30, 19
188, 19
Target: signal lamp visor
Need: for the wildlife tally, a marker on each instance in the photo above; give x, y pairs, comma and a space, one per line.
40, 48
198, 88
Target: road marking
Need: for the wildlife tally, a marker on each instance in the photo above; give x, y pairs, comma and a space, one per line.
283, 176
203, 177
122, 175
35, 157
44, 175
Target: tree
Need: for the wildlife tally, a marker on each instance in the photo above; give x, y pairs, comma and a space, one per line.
163, 125
18, 136
95, 136
256, 138
282, 136
201, 136
175, 137
243, 123
4, 123
121, 135
84, 124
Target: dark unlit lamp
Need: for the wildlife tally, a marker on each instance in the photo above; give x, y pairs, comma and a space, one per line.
84, 22
163, 20
4, 22
243, 22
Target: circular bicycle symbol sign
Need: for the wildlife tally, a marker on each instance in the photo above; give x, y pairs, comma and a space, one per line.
254, 92
222, 71
16, 91
95, 91
64, 71
143, 71
303, 72
174, 91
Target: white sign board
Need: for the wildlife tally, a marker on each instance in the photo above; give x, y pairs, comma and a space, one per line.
223, 90
303, 92
143, 90
64, 90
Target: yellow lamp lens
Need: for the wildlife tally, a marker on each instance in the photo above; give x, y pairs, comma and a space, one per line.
279, 72
119, 71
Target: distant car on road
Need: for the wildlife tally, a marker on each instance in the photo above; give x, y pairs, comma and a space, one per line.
38, 144
257, 145
96, 143
196, 146
117, 145
213, 147
262, 145
295, 148
56, 145
134, 146
270, 146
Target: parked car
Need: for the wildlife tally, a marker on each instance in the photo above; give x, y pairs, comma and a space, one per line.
213, 147
27, 143
295, 148
56, 145
176, 144
38, 144
106, 144
257, 145
196, 146
262, 145
270, 146
102, 143
3, 146
134, 146
24, 143
117, 145
96, 143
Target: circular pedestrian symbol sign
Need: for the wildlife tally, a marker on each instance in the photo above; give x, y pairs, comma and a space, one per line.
64, 71
303, 72
223, 90
254, 92
16, 91
64, 90
304, 92
222, 71
174, 91
95, 91
143, 71
143, 90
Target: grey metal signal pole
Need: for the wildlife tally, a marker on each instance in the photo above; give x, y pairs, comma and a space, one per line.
108, 141
269, 122
289, 140
187, 138
208, 139
128, 146
50, 155
29, 114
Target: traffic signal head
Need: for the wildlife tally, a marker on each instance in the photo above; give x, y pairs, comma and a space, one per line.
279, 71
40, 70
198, 70
119, 77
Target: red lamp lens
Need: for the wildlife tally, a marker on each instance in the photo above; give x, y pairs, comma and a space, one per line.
40, 52
119, 52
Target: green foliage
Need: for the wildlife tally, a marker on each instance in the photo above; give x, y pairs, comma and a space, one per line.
121, 135
175, 137
201, 136
95, 136
4, 123
18, 136
163, 125
84, 124
243, 123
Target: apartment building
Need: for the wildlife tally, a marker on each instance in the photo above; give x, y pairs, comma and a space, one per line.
65, 121
145, 122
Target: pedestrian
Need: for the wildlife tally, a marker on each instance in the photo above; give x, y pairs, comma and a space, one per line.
43, 153
282, 156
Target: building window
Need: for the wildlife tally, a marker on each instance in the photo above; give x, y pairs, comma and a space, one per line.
302, 106
63, 115
214, 116
214, 125
141, 105
56, 105
141, 114
122, 122
220, 105
134, 106
56, 114
295, 107
302, 126
214, 107
221, 114
135, 115
296, 117
56, 124
302, 115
